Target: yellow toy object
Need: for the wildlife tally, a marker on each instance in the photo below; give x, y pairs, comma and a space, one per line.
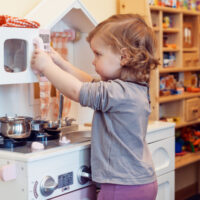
156, 2
166, 22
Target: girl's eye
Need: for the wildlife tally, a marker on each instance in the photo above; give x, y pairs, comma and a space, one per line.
97, 54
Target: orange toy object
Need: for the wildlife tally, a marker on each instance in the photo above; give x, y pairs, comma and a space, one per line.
172, 46
193, 89
196, 142
8, 21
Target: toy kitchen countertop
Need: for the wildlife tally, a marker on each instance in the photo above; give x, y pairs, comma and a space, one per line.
51, 146
73, 141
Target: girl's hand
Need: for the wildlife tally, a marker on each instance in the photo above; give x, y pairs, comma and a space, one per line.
40, 61
56, 57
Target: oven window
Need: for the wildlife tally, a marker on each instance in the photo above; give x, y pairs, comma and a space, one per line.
15, 55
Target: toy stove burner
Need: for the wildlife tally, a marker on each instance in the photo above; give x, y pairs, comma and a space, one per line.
42, 136
9, 143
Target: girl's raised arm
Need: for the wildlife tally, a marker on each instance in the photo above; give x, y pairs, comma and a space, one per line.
68, 67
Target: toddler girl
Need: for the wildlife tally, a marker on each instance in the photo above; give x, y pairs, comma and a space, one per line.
123, 47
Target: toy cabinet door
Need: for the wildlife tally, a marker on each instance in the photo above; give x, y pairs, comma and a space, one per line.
163, 155
192, 107
166, 184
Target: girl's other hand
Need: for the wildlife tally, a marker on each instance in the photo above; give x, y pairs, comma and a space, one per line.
56, 57
40, 61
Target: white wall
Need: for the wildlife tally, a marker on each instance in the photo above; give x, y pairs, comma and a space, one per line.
100, 9
17, 8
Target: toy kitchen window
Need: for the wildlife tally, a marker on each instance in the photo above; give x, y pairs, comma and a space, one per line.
15, 55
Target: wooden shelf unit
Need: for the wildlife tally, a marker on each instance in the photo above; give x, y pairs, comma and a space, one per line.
171, 30
188, 158
164, 105
174, 10
176, 97
170, 42
183, 124
178, 69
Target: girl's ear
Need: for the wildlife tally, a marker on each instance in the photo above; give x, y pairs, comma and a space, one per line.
125, 56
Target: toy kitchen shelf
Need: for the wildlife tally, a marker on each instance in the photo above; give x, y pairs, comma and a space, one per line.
177, 31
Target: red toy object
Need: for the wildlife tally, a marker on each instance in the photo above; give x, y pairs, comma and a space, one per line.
181, 153
197, 133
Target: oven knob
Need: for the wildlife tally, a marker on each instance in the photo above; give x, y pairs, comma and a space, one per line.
84, 174
47, 186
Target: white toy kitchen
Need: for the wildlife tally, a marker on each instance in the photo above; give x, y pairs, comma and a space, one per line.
59, 170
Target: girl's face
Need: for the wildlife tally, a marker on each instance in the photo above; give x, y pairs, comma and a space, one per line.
107, 63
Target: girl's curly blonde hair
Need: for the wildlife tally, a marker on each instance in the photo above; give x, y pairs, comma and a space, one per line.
130, 32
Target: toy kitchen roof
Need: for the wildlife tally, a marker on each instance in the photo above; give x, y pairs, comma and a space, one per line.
71, 12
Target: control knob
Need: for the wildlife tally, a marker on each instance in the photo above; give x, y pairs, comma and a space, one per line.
48, 185
84, 174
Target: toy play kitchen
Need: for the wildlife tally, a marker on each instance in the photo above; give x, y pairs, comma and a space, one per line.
37, 163
45, 166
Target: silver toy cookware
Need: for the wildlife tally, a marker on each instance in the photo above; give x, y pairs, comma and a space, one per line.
15, 127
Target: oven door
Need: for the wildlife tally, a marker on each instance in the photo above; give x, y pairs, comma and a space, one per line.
87, 193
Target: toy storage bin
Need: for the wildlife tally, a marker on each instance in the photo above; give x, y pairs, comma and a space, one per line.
16, 47
192, 109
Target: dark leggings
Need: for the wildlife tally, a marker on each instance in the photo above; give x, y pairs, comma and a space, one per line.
128, 192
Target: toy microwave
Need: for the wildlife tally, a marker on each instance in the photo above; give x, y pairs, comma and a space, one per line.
16, 48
